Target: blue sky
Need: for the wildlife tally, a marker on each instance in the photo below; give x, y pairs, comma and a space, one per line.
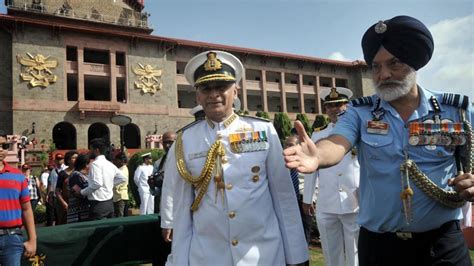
325, 29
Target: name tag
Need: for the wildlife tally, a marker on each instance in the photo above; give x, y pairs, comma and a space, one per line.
197, 155
377, 127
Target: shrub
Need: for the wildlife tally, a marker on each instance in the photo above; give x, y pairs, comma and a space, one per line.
282, 125
304, 120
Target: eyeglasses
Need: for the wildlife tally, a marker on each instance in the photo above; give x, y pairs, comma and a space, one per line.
6, 146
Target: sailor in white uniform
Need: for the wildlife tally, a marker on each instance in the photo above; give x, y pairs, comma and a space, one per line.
234, 203
337, 202
140, 177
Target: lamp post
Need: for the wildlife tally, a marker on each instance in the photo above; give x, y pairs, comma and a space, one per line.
121, 121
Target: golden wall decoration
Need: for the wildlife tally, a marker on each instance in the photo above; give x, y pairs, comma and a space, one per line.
37, 69
148, 78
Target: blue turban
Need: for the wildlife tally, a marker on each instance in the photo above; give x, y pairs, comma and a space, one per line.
405, 37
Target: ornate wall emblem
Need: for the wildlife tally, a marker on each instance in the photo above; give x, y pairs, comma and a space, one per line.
148, 78
37, 69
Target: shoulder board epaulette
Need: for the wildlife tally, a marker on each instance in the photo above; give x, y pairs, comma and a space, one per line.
362, 101
189, 125
256, 117
456, 100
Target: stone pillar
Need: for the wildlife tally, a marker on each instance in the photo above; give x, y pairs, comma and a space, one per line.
282, 92
244, 91
113, 76
264, 91
80, 74
333, 82
301, 93
317, 100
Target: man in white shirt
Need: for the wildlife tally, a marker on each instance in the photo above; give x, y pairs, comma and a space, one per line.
103, 176
337, 204
140, 177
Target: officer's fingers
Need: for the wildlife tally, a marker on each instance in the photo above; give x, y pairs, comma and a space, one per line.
303, 137
462, 181
467, 194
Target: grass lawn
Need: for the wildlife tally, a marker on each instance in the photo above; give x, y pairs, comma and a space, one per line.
317, 259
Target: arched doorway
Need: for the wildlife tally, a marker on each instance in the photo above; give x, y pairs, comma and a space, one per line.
131, 136
64, 136
98, 130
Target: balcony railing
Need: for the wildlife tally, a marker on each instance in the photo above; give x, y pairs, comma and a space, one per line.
138, 20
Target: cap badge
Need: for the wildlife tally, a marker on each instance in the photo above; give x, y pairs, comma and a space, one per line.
380, 27
212, 63
334, 94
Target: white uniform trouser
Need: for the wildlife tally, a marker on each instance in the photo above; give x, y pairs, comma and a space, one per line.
339, 233
147, 202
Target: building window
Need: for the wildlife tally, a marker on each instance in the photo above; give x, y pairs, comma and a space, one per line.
98, 131
96, 88
186, 96
325, 82
96, 56
72, 87
180, 67
132, 136
121, 91
120, 58
71, 53
341, 83
64, 136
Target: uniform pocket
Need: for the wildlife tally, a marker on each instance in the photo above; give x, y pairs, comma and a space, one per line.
378, 146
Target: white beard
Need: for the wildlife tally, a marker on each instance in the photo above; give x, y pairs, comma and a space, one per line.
390, 90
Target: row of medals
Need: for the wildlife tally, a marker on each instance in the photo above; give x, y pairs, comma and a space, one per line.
248, 141
445, 134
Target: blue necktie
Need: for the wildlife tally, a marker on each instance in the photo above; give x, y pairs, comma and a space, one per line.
296, 182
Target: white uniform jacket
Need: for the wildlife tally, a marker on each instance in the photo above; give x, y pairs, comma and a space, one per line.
141, 177
166, 203
338, 185
258, 223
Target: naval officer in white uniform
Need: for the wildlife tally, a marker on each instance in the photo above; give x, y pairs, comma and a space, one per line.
140, 177
337, 201
234, 203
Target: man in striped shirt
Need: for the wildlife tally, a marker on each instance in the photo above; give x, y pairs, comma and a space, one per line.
15, 211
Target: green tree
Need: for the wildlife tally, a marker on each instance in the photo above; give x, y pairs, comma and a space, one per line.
282, 125
304, 120
320, 122
133, 163
262, 114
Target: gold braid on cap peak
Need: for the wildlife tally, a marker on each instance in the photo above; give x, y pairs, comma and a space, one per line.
202, 181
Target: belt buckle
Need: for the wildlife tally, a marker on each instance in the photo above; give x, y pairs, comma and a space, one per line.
404, 235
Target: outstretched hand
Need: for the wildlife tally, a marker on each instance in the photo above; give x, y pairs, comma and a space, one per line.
302, 157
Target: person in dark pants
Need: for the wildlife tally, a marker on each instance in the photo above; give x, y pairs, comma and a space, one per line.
103, 175
413, 182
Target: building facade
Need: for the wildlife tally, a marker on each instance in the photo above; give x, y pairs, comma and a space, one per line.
69, 66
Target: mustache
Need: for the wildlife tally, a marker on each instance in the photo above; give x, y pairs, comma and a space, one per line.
388, 83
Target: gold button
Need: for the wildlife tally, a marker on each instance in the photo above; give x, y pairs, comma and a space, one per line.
219, 136
255, 178
235, 242
229, 186
256, 169
231, 215
224, 159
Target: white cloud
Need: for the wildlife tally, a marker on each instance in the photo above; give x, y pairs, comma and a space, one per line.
338, 56
452, 65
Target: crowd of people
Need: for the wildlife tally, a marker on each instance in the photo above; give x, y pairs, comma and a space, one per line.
386, 178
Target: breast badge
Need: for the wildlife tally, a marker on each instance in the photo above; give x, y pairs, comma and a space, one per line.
250, 141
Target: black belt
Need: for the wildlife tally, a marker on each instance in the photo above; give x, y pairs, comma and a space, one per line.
448, 226
10, 231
